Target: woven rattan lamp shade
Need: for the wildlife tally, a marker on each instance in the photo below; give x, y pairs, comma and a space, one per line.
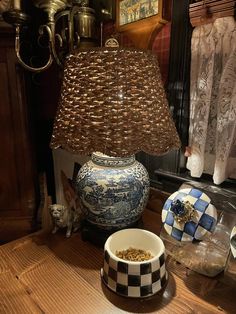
113, 101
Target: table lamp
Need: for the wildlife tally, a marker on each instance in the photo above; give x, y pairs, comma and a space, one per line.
112, 106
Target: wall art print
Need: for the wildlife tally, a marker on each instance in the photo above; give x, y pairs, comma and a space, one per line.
135, 10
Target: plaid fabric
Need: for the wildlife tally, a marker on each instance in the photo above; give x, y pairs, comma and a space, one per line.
141, 280
161, 47
203, 223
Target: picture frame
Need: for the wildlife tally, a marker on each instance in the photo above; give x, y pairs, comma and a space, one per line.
135, 14
65, 165
130, 11
142, 28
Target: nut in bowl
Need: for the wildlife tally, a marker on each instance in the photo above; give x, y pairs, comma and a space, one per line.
134, 263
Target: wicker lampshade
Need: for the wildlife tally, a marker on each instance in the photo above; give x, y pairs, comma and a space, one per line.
113, 101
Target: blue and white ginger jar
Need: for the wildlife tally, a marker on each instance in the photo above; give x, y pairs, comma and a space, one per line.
113, 191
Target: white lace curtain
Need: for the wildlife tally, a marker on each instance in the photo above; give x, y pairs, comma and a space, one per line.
212, 131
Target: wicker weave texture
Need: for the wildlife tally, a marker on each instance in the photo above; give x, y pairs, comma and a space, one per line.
113, 101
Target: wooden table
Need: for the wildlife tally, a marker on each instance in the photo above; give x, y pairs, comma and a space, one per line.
45, 273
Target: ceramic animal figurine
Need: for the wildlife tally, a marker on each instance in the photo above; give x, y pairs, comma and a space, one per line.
64, 217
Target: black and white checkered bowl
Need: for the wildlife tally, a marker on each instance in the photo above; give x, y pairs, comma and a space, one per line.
134, 279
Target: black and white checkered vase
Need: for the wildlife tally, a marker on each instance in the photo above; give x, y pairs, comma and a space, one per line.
136, 279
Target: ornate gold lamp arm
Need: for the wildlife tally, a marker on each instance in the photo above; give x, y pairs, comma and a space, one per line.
52, 8
68, 36
26, 66
73, 12
50, 29
54, 15
62, 37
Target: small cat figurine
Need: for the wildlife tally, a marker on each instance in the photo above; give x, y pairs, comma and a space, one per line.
64, 217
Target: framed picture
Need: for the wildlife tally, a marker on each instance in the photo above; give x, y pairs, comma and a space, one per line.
131, 11
134, 10
66, 166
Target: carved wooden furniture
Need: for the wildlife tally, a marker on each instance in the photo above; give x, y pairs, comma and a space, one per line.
17, 177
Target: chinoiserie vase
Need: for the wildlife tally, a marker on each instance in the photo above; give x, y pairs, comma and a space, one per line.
113, 191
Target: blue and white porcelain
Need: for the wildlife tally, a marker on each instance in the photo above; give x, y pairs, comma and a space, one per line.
188, 215
113, 191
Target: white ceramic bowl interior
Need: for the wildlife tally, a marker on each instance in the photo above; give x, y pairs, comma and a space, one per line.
131, 278
135, 238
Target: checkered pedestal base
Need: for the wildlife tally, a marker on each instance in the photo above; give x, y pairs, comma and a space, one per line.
129, 280
196, 229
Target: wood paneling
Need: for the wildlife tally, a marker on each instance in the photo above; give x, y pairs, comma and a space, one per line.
8, 190
17, 167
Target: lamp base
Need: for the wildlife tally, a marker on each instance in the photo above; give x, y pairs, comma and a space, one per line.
113, 191
98, 236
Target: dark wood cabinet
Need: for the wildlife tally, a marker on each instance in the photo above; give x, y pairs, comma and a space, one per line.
17, 166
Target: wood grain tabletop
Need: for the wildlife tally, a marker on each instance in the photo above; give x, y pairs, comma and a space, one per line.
45, 273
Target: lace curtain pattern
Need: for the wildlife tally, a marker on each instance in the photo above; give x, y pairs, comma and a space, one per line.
212, 131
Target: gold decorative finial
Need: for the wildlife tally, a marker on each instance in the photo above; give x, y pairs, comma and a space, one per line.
112, 42
183, 211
